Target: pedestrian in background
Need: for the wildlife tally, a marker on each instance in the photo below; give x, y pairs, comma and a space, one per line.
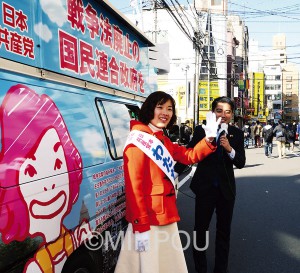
252, 127
152, 242
258, 134
267, 133
247, 132
174, 133
298, 131
280, 134
290, 137
214, 186
294, 128
185, 132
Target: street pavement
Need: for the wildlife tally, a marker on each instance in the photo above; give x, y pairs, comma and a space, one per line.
265, 236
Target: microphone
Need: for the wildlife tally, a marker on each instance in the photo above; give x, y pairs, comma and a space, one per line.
223, 129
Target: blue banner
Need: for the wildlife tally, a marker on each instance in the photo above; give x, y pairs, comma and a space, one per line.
81, 39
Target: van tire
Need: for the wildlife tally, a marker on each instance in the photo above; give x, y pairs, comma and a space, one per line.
79, 262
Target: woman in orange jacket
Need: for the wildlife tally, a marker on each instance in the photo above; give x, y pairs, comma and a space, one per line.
152, 242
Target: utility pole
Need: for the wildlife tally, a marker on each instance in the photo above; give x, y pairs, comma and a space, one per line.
187, 95
197, 48
155, 22
141, 14
208, 63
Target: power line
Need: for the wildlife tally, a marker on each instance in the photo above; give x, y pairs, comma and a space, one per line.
268, 12
183, 12
176, 20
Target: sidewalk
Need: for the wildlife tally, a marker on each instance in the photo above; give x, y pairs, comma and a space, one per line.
265, 228
255, 157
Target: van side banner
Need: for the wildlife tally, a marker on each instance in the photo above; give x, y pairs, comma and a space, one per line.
78, 38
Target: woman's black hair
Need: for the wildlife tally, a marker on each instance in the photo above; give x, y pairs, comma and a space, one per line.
146, 113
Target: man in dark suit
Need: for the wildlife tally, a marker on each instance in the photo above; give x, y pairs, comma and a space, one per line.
214, 186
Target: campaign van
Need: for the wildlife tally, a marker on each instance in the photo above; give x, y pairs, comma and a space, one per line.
73, 73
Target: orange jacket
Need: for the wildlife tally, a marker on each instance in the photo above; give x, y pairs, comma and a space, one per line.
150, 195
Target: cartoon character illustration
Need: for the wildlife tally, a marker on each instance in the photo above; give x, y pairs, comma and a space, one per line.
40, 177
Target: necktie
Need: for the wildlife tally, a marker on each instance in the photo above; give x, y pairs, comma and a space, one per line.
216, 179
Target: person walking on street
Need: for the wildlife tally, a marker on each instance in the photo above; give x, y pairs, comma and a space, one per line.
185, 132
280, 134
247, 131
174, 134
151, 210
257, 134
214, 186
267, 134
294, 128
298, 131
252, 127
290, 137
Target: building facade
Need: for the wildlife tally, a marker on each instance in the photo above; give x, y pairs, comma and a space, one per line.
273, 91
290, 93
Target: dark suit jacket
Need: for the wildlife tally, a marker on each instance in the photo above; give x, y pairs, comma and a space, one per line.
218, 165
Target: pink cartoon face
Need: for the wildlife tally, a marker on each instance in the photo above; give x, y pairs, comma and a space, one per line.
47, 197
45, 167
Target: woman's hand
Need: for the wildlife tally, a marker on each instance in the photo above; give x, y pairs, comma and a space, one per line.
142, 241
211, 127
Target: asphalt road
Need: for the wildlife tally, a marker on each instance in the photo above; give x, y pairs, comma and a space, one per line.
265, 236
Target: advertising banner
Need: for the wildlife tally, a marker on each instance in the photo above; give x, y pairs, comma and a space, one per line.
81, 39
258, 93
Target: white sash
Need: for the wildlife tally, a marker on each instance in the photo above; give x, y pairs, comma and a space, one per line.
155, 150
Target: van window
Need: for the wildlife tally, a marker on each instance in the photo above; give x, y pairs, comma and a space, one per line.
116, 118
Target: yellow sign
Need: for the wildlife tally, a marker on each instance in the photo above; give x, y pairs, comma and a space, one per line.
204, 102
258, 100
180, 90
263, 119
202, 114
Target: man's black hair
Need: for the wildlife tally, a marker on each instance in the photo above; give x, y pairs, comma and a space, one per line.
222, 100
